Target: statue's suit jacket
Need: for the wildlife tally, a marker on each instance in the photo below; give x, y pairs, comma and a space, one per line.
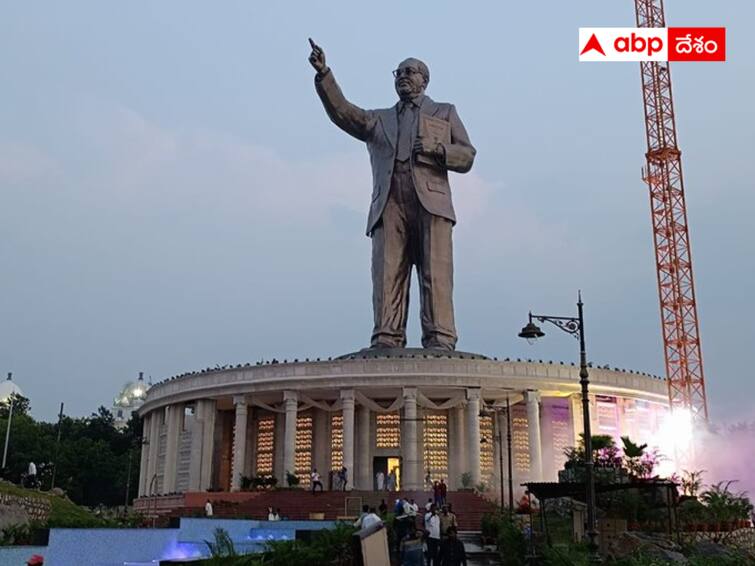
379, 130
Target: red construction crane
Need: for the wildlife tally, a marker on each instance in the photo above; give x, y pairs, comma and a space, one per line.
663, 174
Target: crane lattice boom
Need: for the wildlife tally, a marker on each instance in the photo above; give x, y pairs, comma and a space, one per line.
663, 174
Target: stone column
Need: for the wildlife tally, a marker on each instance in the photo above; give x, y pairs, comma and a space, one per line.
364, 477
239, 442
459, 454
195, 452
251, 443
143, 465
410, 473
473, 435
321, 443
206, 465
291, 405
533, 429
171, 448
154, 445
347, 401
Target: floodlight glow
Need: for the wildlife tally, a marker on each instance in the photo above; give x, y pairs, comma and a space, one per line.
674, 440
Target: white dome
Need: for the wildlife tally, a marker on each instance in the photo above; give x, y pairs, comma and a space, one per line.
7, 388
132, 394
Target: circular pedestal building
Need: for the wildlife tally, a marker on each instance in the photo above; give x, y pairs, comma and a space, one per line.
409, 411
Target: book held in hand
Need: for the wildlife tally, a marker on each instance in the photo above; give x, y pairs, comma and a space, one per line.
436, 131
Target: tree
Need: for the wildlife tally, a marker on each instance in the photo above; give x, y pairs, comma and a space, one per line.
637, 460
20, 405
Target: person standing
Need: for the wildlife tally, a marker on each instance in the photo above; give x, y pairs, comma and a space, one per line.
383, 508
413, 507
428, 481
343, 477
443, 491
447, 521
432, 526
391, 483
452, 552
208, 508
436, 494
316, 481
31, 475
380, 480
365, 512
371, 519
411, 548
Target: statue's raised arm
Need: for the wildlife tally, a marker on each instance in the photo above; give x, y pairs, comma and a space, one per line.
349, 117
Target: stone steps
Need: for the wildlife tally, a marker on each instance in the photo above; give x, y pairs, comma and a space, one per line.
299, 504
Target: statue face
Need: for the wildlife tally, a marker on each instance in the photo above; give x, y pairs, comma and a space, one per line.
409, 82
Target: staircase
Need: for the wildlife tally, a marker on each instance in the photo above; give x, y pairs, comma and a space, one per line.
297, 504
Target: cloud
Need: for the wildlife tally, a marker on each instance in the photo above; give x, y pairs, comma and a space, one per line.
23, 163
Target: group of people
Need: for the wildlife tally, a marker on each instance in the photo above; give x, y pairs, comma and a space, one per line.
338, 480
437, 542
387, 482
440, 491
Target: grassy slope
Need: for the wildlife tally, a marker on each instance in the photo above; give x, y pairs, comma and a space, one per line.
64, 513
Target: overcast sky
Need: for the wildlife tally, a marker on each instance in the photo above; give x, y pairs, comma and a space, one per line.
172, 195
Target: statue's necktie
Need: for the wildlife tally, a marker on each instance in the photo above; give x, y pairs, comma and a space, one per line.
405, 125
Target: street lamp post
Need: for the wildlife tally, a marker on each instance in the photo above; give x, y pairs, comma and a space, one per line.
576, 327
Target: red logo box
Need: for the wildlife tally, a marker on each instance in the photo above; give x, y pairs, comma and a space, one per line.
697, 44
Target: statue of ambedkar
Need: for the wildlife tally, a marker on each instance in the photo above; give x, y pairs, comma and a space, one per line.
412, 146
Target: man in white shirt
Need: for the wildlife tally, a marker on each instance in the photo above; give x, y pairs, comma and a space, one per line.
370, 519
208, 509
414, 508
31, 475
315, 480
432, 526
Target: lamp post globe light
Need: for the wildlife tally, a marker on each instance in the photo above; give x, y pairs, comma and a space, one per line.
576, 327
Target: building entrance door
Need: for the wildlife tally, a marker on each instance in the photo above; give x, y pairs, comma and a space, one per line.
386, 465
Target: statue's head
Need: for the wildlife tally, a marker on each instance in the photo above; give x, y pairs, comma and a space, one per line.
411, 78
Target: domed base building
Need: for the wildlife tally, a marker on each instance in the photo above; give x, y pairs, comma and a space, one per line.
411, 411
128, 400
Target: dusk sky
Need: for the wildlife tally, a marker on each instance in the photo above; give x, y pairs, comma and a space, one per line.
173, 196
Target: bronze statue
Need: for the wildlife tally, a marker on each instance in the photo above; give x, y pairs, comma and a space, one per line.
412, 146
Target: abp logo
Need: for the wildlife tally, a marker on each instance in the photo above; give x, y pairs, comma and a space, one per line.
652, 44
623, 44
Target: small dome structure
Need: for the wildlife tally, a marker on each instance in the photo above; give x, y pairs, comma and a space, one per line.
8, 388
129, 399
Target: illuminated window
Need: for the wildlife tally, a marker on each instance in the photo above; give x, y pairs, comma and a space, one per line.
486, 448
435, 438
336, 442
388, 430
562, 434
520, 440
608, 418
265, 445
303, 454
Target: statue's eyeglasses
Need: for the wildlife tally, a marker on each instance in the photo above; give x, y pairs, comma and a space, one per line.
404, 72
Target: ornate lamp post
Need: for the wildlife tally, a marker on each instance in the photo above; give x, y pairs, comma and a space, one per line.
576, 327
